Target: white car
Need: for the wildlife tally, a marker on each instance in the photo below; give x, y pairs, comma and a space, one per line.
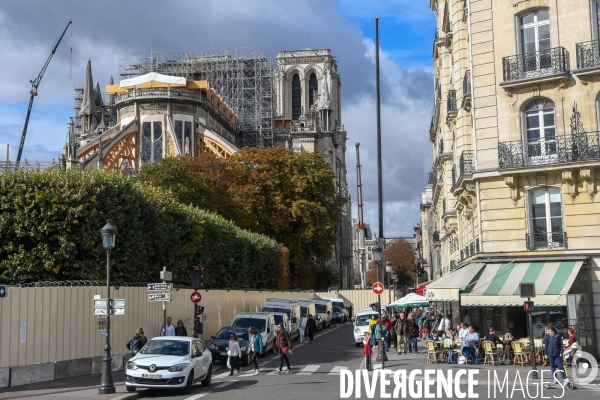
167, 362
361, 325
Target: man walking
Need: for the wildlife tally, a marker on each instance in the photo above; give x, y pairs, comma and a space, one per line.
402, 329
170, 328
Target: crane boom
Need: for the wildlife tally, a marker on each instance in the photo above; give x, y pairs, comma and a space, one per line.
33, 92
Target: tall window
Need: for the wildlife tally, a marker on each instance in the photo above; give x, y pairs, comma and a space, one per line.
183, 131
296, 97
152, 141
546, 218
597, 14
535, 40
540, 131
313, 89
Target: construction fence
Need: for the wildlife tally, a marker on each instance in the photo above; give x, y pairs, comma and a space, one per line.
47, 324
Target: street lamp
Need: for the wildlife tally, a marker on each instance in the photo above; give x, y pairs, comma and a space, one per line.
388, 269
394, 279
107, 386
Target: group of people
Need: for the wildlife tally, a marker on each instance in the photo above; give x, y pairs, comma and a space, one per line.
171, 330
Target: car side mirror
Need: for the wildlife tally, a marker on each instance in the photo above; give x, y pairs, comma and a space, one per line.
197, 354
212, 337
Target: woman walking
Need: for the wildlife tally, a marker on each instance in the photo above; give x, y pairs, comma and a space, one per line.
414, 333
180, 329
283, 344
234, 352
311, 326
302, 326
137, 342
256, 348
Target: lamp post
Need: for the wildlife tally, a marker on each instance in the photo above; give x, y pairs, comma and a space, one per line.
388, 269
107, 386
381, 357
394, 279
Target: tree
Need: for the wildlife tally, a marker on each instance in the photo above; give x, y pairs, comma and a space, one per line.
401, 255
372, 273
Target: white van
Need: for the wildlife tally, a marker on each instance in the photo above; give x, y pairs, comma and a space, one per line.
342, 309
307, 307
286, 306
325, 308
263, 322
361, 324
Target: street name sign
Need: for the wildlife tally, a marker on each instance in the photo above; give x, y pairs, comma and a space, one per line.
116, 303
113, 311
2, 291
159, 287
378, 288
159, 296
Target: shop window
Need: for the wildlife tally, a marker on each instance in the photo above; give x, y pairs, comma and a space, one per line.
152, 141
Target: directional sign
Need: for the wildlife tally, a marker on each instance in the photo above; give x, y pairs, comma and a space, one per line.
159, 296
116, 303
166, 275
195, 297
113, 311
378, 287
160, 287
2, 291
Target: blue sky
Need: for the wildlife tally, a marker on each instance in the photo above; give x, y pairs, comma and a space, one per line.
103, 32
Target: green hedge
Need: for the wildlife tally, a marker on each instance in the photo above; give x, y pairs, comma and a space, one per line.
50, 225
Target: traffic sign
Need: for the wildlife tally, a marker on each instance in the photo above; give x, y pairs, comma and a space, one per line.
159, 296
529, 306
2, 291
378, 288
159, 287
115, 303
166, 275
113, 311
195, 297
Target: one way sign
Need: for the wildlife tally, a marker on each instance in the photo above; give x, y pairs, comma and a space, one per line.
2, 291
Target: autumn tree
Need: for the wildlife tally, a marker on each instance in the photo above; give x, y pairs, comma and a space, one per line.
372, 273
401, 255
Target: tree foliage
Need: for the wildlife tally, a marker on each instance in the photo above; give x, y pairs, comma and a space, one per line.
403, 261
50, 230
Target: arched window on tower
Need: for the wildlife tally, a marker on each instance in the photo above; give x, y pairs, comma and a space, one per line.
313, 89
296, 97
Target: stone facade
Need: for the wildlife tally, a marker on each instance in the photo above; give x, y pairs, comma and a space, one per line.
514, 135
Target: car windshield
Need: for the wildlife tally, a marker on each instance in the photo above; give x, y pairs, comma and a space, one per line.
304, 310
224, 333
339, 304
279, 310
322, 308
337, 310
247, 322
167, 347
278, 319
363, 320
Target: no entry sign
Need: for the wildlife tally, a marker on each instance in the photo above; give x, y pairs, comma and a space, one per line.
378, 288
195, 297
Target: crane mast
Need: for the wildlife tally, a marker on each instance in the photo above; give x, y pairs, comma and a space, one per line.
33, 92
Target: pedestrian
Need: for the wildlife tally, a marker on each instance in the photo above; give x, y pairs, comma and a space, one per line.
372, 322
553, 349
170, 328
302, 326
392, 329
255, 348
180, 330
565, 333
402, 329
234, 353
311, 326
413, 335
283, 344
367, 350
388, 337
381, 332
444, 323
137, 342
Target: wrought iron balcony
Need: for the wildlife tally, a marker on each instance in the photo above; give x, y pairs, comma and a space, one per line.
535, 65
452, 110
467, 162
588, 54
470, 249
547, 241
467, 84
558, 149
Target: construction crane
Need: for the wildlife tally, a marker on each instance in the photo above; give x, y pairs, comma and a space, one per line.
33, 92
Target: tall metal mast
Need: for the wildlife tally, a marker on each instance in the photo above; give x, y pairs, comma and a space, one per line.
33, 92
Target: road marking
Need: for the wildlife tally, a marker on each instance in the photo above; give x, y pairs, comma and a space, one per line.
309, 369
224, 384
274, 372
376, 366
336, 370
197, 396
223, 375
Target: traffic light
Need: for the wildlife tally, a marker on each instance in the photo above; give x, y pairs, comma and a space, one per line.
528, 305
197, 277
198, 325
527, 289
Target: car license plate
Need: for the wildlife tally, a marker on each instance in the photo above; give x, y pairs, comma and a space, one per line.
223, 353
151, 376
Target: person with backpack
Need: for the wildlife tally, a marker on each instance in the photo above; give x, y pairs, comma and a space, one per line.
255, 348
137, 342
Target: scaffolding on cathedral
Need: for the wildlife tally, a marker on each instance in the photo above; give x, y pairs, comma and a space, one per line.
105, 111
241, 76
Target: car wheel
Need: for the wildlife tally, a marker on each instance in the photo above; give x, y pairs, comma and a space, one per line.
206, 380
188, 385
131, 388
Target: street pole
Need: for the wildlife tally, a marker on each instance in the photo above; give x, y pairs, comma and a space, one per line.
379, 164
107, 385
534, 372
164, 305
380, 346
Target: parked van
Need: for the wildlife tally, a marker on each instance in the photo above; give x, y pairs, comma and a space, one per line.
307, 307
263, 322
340, 314
361, 324
325, 308
286, 306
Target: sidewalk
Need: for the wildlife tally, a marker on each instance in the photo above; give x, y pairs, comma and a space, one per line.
81, 388
418, 360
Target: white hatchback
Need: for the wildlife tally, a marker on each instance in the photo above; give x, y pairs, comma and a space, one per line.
361, 325
170, 362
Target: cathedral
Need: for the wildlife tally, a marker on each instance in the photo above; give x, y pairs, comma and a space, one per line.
185, 106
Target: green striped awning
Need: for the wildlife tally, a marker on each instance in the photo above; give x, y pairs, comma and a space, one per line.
448, 287
498, 284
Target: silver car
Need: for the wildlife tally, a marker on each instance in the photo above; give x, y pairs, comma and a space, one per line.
170, 362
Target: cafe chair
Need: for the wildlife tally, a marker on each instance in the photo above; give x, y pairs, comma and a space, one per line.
491, 354
433, 352
518, 353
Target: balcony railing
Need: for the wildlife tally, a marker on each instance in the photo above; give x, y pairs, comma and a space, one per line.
535, 65
467, 162
467, 84
470, 249
452, 102
547, 241
588, 54
557, 149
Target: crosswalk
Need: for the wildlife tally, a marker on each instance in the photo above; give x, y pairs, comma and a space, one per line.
296, 370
